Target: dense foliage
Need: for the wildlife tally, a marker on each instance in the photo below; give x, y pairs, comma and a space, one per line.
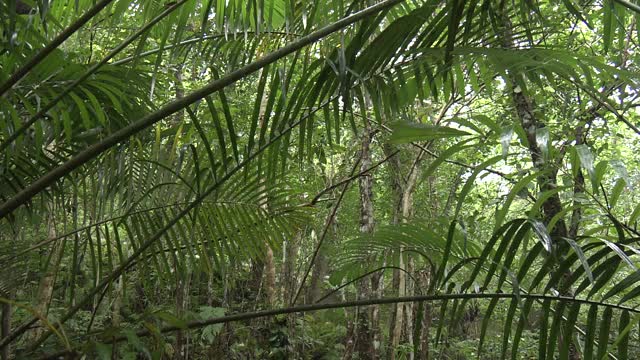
319, 179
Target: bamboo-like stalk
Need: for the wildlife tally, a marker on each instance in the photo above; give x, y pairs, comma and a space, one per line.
143, 247
98, 148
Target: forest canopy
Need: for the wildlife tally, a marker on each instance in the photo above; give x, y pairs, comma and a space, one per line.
352, 179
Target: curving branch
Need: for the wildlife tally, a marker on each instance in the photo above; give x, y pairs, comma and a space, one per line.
355, 303
45, 109
177, 105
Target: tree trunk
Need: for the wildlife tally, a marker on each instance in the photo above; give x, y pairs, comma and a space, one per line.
269, 277
182, 298
320, 268
401, 322
5, 329
269, 263
397, 282
422, 353
8, 290
117, 302
547, 180
289, 280
45, 289
364, 330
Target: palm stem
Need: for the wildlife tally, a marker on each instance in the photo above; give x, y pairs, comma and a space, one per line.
363, 302
98, 148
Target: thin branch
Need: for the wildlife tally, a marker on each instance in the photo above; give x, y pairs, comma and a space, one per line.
354, 303
325, 230
608, 106
148, 243
196, 40
382, 268
350, 178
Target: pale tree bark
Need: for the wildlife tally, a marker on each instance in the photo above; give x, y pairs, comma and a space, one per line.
364, 339
289, 279
47, 282
289, 282
407, 213
320, 265
269, 276
423, 277
401, 322
269, 261
398, 279
183, 282
117, 302
360, 337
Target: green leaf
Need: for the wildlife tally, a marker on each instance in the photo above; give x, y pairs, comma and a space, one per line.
586, 160
608, 21
603, 333
590, 333
542, 140
469, 184
616, 192
620, 253
583, 259
622, 342
625, 284
84, 113
517, 189
103, 351
568, 330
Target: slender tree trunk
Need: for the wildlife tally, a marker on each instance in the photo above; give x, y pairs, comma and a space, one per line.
290, 283
320, 267
289, 280
182, 298
407, 213
5, 329
397, 281
117, 302
269, 261
376, 333
424, 277
45, 289
401, 323
181, 273
7, 309
269, 277
363, 331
